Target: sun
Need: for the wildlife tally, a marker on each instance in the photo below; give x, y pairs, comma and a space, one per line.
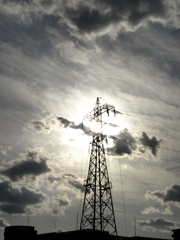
109, 125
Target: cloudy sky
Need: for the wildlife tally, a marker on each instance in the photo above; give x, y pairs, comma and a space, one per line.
56, 58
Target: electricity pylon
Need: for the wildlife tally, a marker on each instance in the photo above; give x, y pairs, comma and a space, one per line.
98, 211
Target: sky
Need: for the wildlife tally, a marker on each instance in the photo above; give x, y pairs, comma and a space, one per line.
56, 58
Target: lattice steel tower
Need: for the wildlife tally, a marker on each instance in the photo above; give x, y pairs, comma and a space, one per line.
98, 211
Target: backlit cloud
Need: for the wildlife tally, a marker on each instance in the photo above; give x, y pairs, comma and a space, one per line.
152, 210
151, 143
59, 204
16, 200
125, 145
33, 165
46, 125
157, 224
170, 195
3, 223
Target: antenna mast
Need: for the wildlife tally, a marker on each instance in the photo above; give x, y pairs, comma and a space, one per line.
98, 211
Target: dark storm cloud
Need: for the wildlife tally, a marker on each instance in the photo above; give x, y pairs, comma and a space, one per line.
13, 209
170, 194
151, 143
11, 194
34, 165
14, 200
157, 224
90, 20
125, 145
92, 17
76, 184
3, 223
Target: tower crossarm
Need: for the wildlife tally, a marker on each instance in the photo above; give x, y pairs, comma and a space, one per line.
99, 110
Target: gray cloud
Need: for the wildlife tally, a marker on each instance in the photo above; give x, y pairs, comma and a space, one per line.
63, 201
38, 126
151, 143
29, 28
3, 223
73, 181
51, 123
14, 200
100, 14
19, 195
76, 184
47, 125
59, 205
34, 165
126, 144
69, 176
157, 224
170, 194
65, 122
52, 178
152, 210
13, 209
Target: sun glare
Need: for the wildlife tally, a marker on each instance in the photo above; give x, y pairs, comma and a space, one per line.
95, 126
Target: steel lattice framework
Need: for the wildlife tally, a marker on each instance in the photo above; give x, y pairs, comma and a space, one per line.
98, 211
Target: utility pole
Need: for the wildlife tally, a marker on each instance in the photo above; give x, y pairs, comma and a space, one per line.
98, 211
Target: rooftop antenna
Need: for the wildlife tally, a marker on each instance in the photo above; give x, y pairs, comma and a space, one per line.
135, 225
55, 226
28, 220
77, 221
98, 210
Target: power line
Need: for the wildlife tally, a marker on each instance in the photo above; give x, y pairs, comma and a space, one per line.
157, 134
152, 120
138, 130
163, 159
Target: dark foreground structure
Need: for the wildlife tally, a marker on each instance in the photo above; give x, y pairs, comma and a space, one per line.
176, 234
29, 233
20, 233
